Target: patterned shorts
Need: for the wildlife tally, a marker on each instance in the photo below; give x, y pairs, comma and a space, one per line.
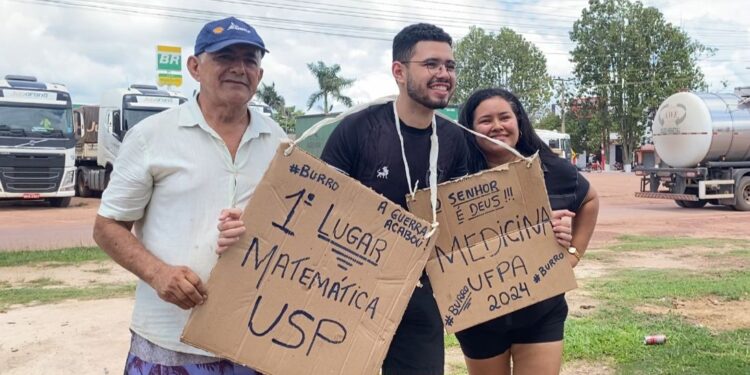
137, 366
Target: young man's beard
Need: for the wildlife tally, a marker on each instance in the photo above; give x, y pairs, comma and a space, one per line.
420, 97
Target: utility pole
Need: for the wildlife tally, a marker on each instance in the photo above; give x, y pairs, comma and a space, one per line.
563, 99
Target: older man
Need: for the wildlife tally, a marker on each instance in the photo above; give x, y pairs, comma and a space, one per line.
175, 174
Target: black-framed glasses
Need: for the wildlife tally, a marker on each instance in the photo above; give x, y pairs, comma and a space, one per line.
434, 65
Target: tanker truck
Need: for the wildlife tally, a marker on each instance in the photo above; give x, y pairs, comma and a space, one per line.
702, 151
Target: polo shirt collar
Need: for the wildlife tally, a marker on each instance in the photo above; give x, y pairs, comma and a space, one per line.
191, 115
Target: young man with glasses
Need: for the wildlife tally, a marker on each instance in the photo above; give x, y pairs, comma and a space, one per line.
379, 144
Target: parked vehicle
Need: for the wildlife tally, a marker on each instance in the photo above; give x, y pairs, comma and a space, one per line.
558, 142
702, 151
119, 111
37, 144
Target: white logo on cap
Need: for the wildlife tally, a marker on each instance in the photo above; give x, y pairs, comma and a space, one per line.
233, 26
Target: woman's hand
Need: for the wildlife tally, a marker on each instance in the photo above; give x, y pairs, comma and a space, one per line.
561, 225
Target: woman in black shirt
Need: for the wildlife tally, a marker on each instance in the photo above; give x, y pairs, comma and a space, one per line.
531, 337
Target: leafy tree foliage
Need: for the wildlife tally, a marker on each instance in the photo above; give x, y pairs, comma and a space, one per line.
331, 85
285, 116
629, 58
504, 60
268, 95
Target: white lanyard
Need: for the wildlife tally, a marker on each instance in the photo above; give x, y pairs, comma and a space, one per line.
433, 149
434, 146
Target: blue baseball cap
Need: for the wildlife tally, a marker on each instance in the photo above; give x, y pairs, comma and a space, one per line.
216, 35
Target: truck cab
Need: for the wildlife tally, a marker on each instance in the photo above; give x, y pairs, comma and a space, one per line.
37, 142
558, 142
119, 111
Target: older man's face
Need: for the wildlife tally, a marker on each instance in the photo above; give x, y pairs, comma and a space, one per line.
230, 75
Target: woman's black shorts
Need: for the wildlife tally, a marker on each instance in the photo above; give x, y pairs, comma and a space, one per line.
541, 322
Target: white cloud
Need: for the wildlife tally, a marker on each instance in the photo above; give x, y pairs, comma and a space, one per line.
92, 50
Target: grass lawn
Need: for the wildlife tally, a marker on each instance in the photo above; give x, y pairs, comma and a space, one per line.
614, 333
45, 290
638, 243
67, 256
42, 295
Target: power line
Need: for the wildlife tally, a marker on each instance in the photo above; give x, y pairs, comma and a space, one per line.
196, 15
463, 6
395, 16
199, 16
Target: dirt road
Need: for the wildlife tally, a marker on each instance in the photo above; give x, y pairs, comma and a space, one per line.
622, 213
31, 225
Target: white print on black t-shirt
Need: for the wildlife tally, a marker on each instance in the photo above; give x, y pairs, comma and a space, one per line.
383, 172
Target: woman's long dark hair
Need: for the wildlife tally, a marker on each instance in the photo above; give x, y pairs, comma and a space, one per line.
528, 141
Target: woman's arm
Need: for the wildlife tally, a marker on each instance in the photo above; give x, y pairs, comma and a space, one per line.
584, 223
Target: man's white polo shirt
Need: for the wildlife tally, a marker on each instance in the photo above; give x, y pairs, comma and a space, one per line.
172, 177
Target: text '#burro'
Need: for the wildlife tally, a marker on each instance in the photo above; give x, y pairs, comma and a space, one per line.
307, 172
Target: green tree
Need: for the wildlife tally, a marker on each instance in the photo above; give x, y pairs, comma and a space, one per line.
288, 118
285, 116
331, 85
505, 60
549, 121
629, 58
584, 133
268, 95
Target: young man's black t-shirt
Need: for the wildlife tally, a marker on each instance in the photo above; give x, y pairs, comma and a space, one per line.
366, 146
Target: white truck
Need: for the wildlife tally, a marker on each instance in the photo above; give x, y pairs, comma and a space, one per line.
702, 151
119, 111
37, 143
558, 142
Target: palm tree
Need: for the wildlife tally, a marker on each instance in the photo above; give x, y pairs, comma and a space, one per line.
330, 85
271, 97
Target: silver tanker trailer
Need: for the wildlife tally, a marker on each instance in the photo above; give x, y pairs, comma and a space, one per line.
702, 144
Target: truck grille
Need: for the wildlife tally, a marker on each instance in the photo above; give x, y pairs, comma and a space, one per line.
31, 180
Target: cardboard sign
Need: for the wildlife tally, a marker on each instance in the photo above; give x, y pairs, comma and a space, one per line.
496, 252
321, 279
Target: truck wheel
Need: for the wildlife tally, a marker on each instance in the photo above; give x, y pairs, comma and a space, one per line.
694, 204
81, 188
59, 202
742, 194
